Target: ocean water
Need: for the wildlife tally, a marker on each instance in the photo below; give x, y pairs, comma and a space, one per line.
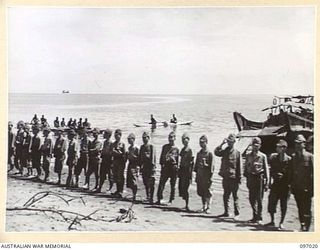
211, 114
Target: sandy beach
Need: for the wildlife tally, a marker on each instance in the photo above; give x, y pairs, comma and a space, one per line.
147, 217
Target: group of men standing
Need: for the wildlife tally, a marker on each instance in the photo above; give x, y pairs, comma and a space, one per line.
109, 159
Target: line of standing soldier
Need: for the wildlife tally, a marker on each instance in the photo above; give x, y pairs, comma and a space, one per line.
108, 159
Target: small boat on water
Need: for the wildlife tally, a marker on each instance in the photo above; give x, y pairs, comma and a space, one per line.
288, 117
65, 92
163, 124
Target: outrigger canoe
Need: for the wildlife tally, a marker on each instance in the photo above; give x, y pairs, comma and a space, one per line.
162, 124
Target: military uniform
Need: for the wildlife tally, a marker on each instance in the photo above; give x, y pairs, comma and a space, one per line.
257, 173
11, 139
133, 167
185, 172
147, 159
59, 150
95, 148
106, 163
25, 155
118, 164
72, 159
84, 157
36, 153
302, 185
280, 172
230, 172
204, 168
46, 151
169, 160
18, 143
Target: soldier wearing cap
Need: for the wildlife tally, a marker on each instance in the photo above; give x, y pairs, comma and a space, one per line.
302, 181
169, 160
11, 139
46, 152
204, 168
257, 173
35, 148
118, 162
230, 171
106, 163
133, 165
18, 147
83, 160
95, 148
280, 171
72, 152
185, 169
59, 151
147, 160
25, 150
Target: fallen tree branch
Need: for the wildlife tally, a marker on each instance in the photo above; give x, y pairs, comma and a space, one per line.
38, 196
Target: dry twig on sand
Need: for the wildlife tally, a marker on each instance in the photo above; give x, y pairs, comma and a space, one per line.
38, 196
127, 215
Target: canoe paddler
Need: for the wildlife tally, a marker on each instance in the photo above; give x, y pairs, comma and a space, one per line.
152, 120
173, 119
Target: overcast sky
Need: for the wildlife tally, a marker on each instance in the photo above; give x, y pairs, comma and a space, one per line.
162, 50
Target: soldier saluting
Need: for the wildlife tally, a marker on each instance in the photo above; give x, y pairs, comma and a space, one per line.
230, 172
257, 173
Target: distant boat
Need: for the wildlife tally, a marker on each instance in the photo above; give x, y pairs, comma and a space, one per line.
65, 92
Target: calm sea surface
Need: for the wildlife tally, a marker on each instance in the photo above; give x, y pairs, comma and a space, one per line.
211, 115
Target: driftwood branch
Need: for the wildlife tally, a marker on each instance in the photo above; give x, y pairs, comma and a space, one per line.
38, 196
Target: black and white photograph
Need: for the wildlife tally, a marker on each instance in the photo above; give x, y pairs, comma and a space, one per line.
160, 119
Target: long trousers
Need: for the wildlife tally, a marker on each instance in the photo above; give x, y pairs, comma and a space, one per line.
118, 174
166, 173
255, 186
304, 201
230, 186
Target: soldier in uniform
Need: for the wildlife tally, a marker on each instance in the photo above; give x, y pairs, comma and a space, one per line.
83, 160
18, 144
204, 168
106, 163
25, 151
35, 148
169, 160
230, 171
46, 152
72, 157
133, 165
11, 139
280, 171
302, 181
185, 170
257, 173
95, 148
147, 159
59, 150
118, 162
